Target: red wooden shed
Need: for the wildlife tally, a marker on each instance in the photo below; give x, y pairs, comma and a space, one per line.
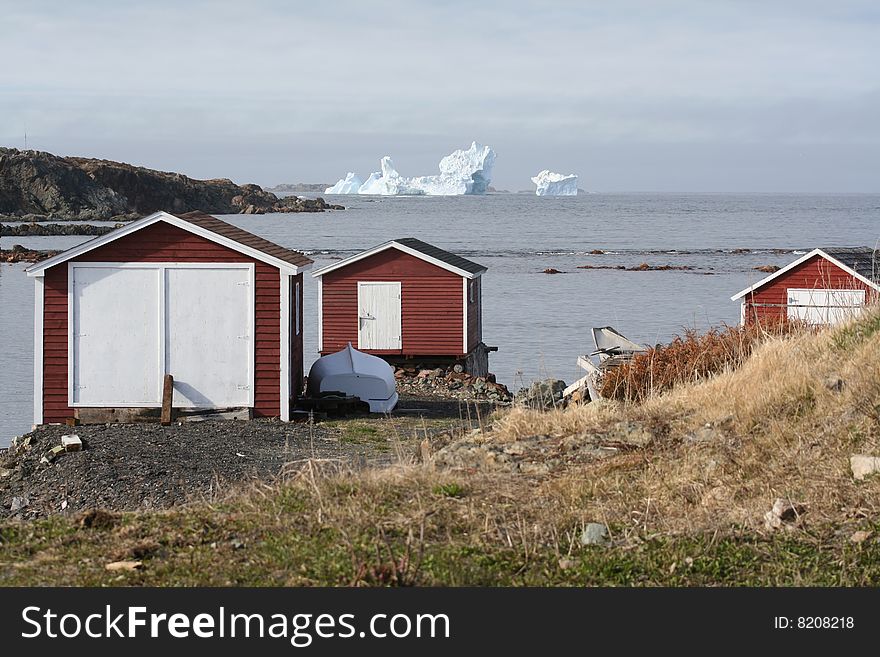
404, 300
824, 286
216, 307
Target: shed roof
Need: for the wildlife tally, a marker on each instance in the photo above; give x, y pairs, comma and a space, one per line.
861, 262
419, 249
199, 223
860, 259
243, 237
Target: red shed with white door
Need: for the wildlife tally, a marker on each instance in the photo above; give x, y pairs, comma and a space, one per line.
824, 286
213, 305
404, 300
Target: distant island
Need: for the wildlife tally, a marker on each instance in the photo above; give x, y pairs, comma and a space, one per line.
39, 186
298, 188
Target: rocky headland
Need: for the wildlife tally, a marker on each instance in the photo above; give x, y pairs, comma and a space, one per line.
39, 186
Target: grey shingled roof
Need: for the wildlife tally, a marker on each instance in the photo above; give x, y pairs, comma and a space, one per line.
439, 254
220, 227
860, 259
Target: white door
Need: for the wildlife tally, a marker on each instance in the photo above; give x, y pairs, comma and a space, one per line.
824, 306
115, 343
209, 336
379, 316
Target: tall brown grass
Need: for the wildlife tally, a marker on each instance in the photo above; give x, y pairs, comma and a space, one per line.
690, 357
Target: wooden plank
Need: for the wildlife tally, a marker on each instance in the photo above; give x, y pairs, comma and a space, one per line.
167, 396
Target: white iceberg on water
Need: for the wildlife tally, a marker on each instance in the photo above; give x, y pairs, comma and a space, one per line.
388, 182
555, 184
348, 185
462, 172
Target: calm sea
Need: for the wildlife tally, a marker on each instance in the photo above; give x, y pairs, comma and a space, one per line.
539, 322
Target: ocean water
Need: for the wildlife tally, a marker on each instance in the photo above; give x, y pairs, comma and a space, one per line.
539, 322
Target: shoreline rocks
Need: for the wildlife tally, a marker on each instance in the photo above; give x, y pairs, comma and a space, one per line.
45, 230
450, 383
18, 253
542, 395
641, 267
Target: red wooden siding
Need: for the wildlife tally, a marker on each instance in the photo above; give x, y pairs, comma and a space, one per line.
769, 303
431, 304
162, 242
475, 313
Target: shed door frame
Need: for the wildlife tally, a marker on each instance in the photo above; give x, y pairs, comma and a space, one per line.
160, 268
398, 329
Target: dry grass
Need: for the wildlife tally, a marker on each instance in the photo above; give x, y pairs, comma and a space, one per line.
727, 447
688, 358
722, 451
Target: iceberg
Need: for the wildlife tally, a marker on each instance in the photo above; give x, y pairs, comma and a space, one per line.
465, 171
388, 182
348, 185
555, 184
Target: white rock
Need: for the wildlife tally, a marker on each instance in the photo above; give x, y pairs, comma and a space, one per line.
461, 172
595, 533
555, 184
863, 465
71, 443
783, 513
348, 185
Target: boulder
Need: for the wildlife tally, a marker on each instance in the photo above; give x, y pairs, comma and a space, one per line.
542, 395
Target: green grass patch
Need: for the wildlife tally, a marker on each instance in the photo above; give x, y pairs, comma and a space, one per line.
854, 334
451, 489
277, 543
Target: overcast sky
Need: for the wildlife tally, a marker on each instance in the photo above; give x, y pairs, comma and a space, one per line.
652, 95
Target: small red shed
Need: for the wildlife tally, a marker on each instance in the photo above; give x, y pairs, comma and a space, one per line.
404, 300
824, 286
213, 305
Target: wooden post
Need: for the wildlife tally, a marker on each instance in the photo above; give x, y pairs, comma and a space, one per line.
167, 395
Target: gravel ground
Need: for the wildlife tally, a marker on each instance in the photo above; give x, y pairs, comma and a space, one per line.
127, 467
147, 466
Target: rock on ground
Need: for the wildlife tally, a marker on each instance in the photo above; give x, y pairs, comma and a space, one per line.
542, 395
783, 514
450, 383
541, 454
595, 533
864, 465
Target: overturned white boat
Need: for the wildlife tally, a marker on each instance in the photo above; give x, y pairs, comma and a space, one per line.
613, 349
355, 373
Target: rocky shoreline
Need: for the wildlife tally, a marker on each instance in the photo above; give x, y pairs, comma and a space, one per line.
18, 253
38, 186
53, 230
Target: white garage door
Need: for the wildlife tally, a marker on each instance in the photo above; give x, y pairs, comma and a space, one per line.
115, 336
132, 324
824, 306
208, 336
